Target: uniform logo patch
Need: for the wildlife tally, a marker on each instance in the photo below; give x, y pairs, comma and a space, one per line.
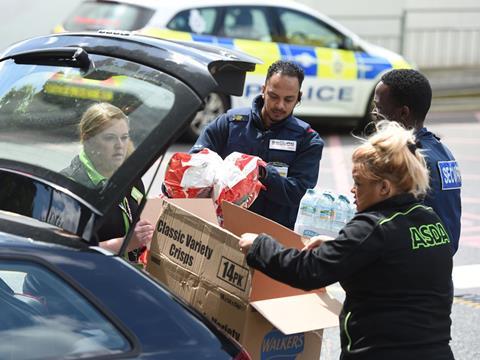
286, 145
449, 175
239, 117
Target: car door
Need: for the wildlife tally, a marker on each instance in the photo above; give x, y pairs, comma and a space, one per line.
331, 86
245, 28
249, 29
272, 33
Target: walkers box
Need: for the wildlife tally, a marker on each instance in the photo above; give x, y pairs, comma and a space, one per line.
201, 262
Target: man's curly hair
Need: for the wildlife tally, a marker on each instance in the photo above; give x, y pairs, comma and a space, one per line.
288, 68
409, 87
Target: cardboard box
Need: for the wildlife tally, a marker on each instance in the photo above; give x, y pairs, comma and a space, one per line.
201, 262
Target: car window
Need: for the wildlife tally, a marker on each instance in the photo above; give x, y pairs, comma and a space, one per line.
198, 21
43, 317
46, 116
95, 15
245, 23
303, 29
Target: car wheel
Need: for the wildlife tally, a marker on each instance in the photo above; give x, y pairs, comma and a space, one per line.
215, 105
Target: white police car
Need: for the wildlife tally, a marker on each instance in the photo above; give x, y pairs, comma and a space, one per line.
341, 70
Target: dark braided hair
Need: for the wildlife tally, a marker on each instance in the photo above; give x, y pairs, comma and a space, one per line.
409, 87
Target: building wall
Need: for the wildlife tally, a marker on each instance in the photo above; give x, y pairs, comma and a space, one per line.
431, 33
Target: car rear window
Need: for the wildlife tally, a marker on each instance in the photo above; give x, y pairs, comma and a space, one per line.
43, 317
42, 107
92, 15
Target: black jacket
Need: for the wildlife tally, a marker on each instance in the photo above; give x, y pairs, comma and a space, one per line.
394, 263
242, 130
445, 184
117, 222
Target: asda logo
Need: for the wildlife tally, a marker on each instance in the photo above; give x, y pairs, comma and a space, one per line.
428, 235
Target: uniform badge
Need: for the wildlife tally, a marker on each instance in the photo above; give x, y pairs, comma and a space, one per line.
449, 175
238, 117
285, 145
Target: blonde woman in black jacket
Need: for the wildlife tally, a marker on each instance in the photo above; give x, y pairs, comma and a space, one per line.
393, 259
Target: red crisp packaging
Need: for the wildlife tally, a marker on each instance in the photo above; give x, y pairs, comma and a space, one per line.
238, 181
191, 175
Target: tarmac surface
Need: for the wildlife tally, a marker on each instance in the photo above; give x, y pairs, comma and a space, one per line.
456, 89
454, 81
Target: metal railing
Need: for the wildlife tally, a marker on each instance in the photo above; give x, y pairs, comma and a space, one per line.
421, 37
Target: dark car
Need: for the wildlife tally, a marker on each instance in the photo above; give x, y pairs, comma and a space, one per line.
61, 294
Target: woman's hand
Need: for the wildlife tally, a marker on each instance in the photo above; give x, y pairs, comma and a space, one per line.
142, 236
143, 233
246, 242
316, 241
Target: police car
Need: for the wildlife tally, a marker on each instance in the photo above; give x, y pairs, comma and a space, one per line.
341, 69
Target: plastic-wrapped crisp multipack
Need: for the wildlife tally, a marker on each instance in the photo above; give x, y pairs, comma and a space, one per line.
237, 181
205, 174
191, 175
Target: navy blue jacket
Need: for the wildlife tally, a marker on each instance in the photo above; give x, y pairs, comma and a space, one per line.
242, 130
394, 262
445, 184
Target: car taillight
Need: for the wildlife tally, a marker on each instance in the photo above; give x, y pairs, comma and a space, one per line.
242, 355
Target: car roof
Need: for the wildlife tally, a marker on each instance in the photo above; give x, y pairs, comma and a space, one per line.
155, 4
170, 8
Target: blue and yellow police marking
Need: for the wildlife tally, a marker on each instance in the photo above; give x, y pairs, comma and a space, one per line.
78, 92
317, 62
78, 87
211, 40
336, 64
166, 34
368, 67
305, 56
468, 300
268, 52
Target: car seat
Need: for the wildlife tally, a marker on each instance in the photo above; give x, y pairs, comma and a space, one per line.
243, 26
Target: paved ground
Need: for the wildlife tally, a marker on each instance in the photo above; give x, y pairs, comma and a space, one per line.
454, 80
455, 89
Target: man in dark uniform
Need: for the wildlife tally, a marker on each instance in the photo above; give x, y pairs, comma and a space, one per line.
289, 146
405, 96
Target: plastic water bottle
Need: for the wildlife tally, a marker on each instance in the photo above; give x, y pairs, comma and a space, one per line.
325, 212
342, 213
305, 223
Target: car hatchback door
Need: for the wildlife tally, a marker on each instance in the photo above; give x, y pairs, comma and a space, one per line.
50, 83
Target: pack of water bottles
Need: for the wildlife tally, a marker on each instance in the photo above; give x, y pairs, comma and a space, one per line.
323, 212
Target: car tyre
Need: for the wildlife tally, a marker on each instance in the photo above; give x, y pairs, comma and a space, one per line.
215, 105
